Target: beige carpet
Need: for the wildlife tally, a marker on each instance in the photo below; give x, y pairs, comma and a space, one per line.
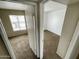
21, 47
50, 45
22, 50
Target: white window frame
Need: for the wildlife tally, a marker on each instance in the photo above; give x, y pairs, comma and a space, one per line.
17, 24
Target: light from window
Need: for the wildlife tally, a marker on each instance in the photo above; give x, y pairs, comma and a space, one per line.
18, 22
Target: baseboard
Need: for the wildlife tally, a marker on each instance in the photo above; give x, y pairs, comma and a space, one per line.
52, 32
38, 58
34, 53
58, 55
17, 35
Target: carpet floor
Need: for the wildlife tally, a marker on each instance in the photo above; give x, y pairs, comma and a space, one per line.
50, 45
21, 47
22, 50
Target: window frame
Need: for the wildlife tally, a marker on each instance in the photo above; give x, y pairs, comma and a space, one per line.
17, 22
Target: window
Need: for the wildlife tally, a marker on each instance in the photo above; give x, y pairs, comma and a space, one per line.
18, 22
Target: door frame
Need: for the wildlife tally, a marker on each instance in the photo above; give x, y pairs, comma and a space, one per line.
73, 49
6, 41
41, 26
74, 44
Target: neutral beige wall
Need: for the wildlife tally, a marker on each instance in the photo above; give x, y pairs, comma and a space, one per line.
69, 26
73, 49
4, 15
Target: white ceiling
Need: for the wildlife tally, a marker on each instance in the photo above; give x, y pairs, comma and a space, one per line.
53, 6
11, 5
66, 1
60, 1
56, 4
22, 6
23, 0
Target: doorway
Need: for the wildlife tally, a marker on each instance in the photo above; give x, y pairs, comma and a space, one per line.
15, 21
54, 14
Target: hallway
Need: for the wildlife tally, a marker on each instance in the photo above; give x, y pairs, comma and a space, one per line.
50, 45
21, 47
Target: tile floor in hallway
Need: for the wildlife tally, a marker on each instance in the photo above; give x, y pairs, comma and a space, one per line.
50, 45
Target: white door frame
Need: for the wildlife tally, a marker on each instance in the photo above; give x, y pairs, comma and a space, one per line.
73, 49
35, 5
6, 41
41, 13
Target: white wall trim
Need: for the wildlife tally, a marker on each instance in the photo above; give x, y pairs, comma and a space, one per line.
73, 49
6, 41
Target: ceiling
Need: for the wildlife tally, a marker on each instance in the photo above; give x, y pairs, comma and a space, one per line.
23, 0
60, 1
14, 6
67, 1
53, 6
